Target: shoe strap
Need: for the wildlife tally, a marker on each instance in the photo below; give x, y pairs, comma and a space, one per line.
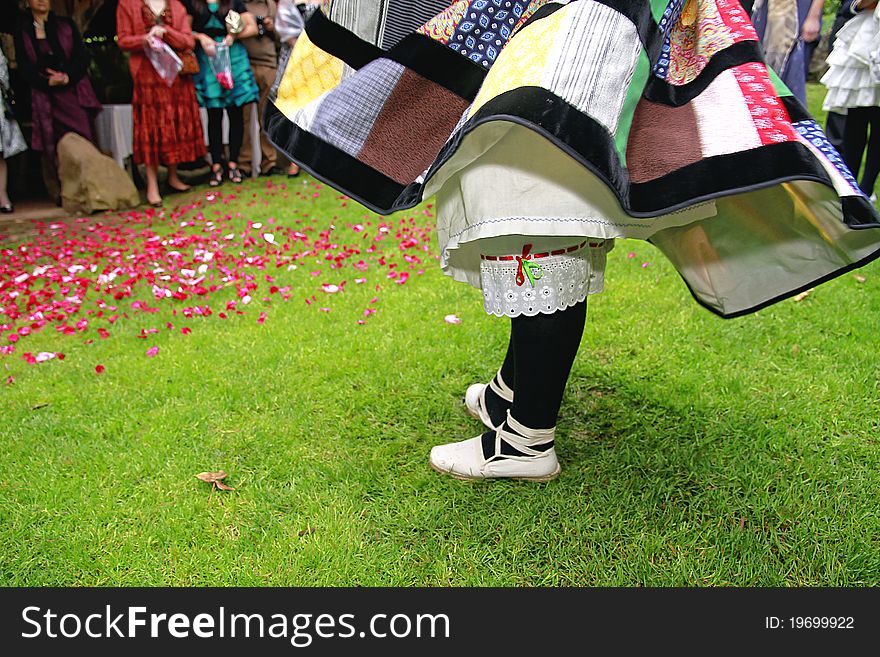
525, 438
500, 388
526, 435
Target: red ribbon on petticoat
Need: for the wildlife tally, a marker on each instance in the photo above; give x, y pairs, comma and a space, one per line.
525, 266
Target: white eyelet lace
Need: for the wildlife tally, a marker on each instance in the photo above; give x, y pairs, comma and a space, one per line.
566, 280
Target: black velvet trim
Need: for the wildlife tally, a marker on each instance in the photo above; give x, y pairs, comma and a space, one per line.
796, 110
727, 174
660, 91
543, 12
439, 63
339, 42
859, 212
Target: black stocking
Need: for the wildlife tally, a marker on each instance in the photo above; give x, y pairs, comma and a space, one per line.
543, 349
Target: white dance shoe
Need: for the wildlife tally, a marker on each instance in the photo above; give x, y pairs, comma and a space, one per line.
465, 459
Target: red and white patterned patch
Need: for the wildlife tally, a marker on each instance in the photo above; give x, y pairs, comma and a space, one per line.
735, 17
768, 113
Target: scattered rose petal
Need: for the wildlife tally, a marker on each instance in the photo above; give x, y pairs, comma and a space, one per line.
859, 278
99, 369
452, 319
330, 289
152, 351
269, 237
803, 295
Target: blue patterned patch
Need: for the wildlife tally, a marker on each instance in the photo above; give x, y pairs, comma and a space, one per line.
485, 29
811, 131
670, 16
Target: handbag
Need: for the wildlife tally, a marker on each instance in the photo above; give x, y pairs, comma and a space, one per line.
190, 63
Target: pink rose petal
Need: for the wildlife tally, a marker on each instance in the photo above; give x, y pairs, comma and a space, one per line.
152, 351
452, 319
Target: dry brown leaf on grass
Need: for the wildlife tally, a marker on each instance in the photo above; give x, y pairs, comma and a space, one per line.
214, 478
803, 295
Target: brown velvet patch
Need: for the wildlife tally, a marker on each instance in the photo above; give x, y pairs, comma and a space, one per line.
411, 128
661, 140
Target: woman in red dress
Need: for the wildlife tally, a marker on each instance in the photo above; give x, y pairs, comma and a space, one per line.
167, 125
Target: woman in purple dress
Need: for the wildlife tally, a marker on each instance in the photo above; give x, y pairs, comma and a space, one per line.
52, 58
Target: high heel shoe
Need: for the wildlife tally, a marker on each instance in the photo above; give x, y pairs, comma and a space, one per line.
235, 175
7, 209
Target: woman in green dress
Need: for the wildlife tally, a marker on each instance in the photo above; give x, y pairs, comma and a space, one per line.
215, 23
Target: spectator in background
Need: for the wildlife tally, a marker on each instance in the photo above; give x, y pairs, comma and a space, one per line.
835, 123
854, 91
288, 25
263, 56
53, 60
167, 127
11, 140
223, 21
789, 31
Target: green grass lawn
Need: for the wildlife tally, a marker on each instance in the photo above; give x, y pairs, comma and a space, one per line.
695, 450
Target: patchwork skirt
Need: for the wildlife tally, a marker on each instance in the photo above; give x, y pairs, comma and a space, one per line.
656, 120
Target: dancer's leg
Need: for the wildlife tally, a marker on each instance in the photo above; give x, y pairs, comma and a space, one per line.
544, 347
855, 136
872, 157
544, 291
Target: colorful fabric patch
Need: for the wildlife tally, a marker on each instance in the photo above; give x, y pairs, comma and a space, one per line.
411, 128
670, 16
724, 121
768, 113
346, 114
486, 27
442, 26
401, 17
520, 64
310, 72
812, 133
692, 40
592, 60
661, 140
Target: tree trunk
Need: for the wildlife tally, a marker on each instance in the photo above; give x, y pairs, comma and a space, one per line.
81, 11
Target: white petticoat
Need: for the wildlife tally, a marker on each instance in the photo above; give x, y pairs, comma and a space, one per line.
551, 278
